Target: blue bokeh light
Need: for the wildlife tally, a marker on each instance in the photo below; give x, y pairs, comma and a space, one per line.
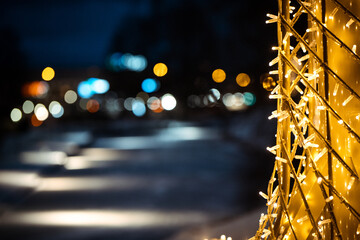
150, 85
84, 90
91, 86
100, 86
138, 108
127, 61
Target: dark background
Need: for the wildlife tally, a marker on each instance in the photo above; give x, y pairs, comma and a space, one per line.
192, 37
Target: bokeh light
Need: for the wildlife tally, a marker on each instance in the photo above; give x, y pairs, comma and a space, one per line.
35, 122
16, 115
48, 74
234, 102
28, 106
243, 80
36, 89
99, 86
213, 96
127, 61
59, 114
41, 112
249, 98
218, 75
143, 95
160, 69
154, 104
82, 103
168, 102
268, 82
216, 93
134, 63
86, 89
150, 85
113, 106
92, 106
128, 103
56, 109
70, 97
227, 99
138, 107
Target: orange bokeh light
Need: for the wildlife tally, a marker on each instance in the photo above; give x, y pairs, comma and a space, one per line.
160, 69
35, 89
92, 106
218, 75
35, 122
158, 110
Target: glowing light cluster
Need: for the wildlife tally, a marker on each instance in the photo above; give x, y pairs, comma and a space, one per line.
232, 101
314, 188
35, 89
92, 86
154, 104
56, 109
118, 62
141, 102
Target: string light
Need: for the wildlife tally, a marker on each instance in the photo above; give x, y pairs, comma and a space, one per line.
301, 127
347, 100
348, 24
329, 199
336, 88
333, 13
274, 72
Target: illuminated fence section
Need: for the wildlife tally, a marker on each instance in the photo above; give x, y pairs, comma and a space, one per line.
314, 190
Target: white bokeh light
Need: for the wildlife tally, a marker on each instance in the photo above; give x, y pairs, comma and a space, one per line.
41, 112
16, 115
28, 106
70, 97
168, 102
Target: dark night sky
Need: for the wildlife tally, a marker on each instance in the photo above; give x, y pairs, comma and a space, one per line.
80, 33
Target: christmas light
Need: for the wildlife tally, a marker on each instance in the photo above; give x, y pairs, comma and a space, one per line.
348, 24
316, 138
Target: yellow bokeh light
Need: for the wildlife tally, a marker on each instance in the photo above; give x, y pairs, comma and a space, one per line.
268, 82
160, 69
48, 74
218, 75
243, 80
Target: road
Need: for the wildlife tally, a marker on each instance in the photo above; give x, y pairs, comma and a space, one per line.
130, 181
